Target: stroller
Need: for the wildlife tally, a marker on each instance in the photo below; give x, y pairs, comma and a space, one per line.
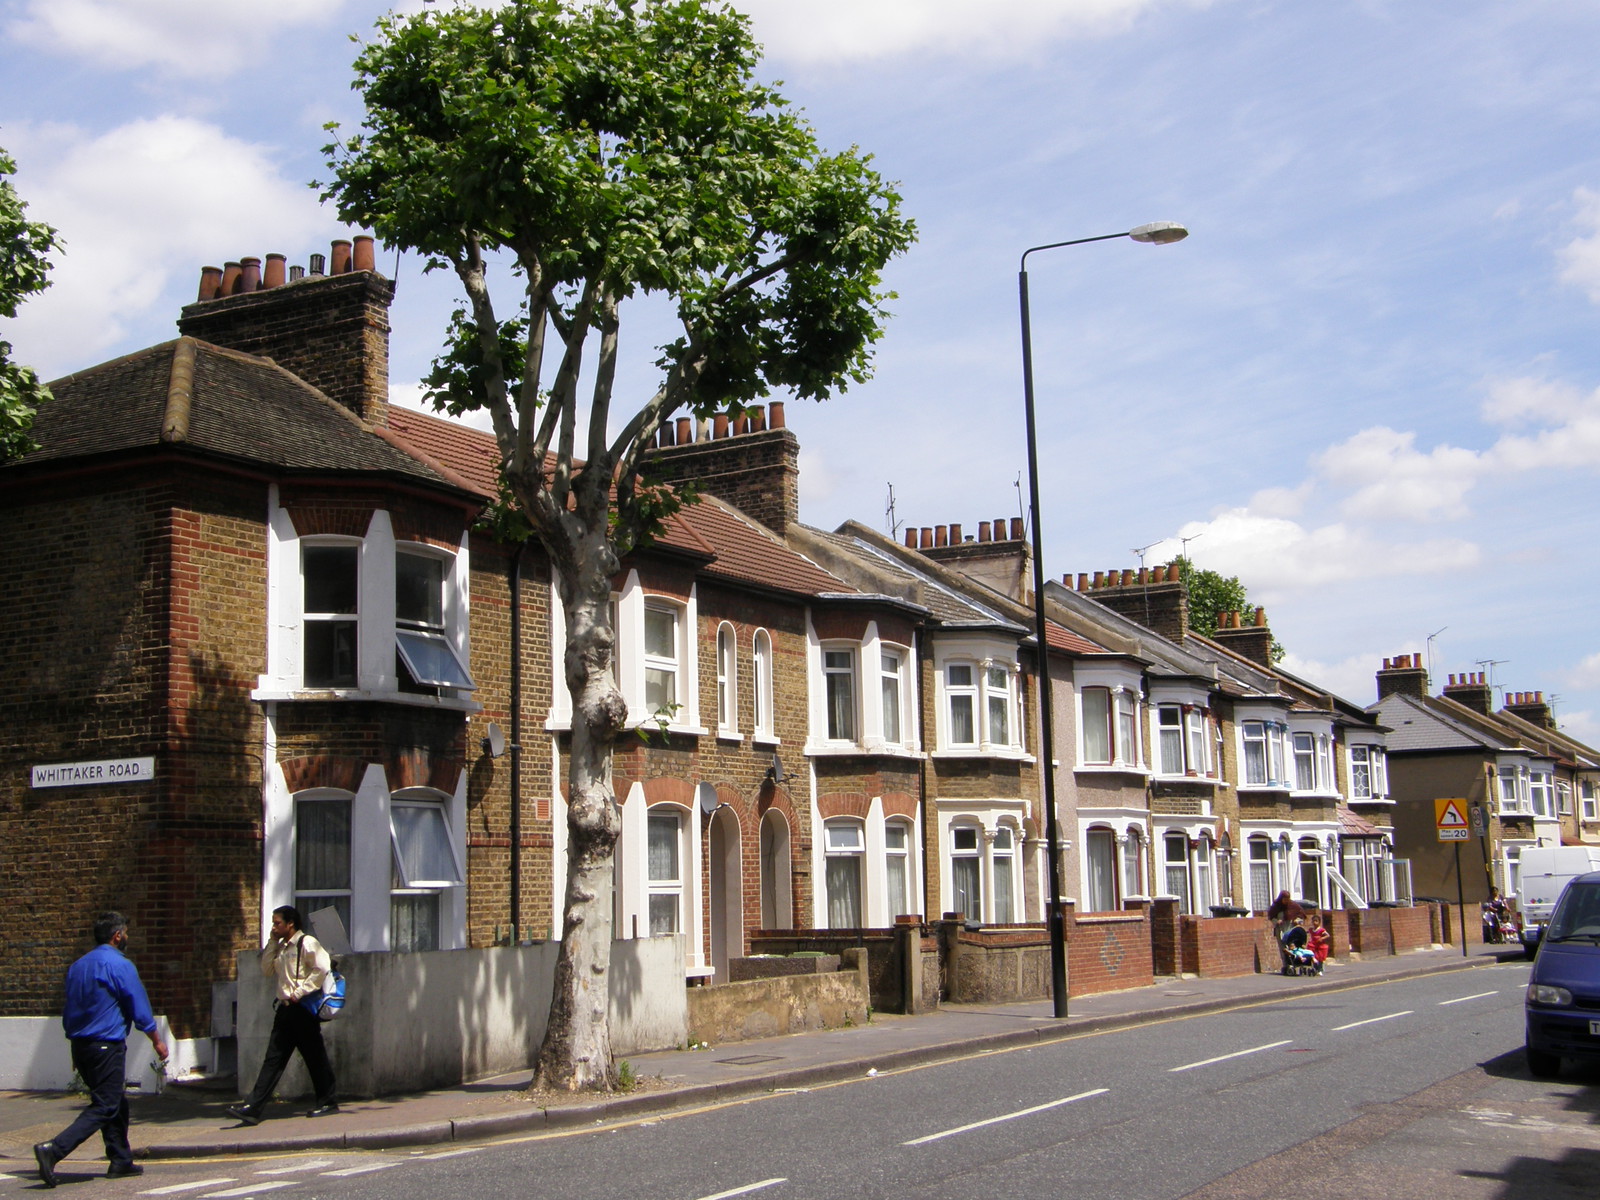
1298, 958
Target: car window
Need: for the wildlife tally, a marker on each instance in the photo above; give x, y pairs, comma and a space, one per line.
1578, 913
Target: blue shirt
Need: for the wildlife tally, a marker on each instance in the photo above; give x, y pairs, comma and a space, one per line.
103, 996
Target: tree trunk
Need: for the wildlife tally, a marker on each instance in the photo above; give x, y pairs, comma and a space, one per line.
577, 1043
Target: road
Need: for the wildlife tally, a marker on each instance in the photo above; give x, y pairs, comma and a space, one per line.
1409, 1089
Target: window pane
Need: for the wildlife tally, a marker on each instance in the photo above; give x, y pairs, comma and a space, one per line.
843, 837
663, 850
891, 698
1102, 881
895, 872
419, 590
1004, 881
964, 838
1255, 752
763, 682
322, 845
1304, 762
841, 697
844, 891
330, 578
422, 844
1170, 723
1096, 725
309, 904
430, 660
966, 887
660, 689
330, 654
1197, 742
997, 689
663, 913
895, 837
958, 675
1127, 739
661, 632
961, 726
414, 922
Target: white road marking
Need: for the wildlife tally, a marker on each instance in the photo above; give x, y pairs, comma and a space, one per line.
448, 1153
253, 1188
933, 1137
1464, 999
1371, 1021
315, 1164
174, 1188
343, 1171
750, 1187
1206, 1062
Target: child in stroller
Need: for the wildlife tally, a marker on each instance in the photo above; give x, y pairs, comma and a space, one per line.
1298, 957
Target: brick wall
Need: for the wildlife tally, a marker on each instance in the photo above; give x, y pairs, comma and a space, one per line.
1107, 952
1222, 947
1410, 929
757, 473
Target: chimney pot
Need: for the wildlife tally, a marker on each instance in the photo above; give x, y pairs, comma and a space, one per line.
210, 282
925, 538
296, 273
1127, 577
317, 265
364, 257
911, 539
1000, 530
719, 426
1016, 529
664, 435
941, 535
1144, 575
983, 531
758, 420
340, 261
1261, 617
775, 417
249, 275
1099, 579
685, 430
1083, 581
273, 275
955, 535
741, 423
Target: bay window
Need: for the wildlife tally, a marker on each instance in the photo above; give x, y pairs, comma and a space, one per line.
897, 867
844, 847
966, 871
1181, 740
892, 689
1264, 753
839, 693
330, 614
1004, 853
665, 859
1110, 726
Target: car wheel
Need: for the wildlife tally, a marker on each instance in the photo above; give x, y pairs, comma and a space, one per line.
1542, 1064
1529, 951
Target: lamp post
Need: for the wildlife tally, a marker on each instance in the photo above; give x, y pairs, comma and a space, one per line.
1158, 233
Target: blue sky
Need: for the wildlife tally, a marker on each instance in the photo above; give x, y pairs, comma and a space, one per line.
1368, 383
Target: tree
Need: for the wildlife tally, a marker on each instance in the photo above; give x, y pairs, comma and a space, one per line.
592, 154
24, 272
1210, 595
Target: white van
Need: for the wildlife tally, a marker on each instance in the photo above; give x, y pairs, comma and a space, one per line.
1543, 872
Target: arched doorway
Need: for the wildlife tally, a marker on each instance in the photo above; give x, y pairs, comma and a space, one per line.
727, 890
777, 903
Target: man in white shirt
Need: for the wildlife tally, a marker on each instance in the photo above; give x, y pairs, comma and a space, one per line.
300, 966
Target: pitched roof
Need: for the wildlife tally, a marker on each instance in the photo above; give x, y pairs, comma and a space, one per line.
1434, 723
217, 402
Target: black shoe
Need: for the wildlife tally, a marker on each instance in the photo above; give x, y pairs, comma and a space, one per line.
114, 1171
324, 1110
47, 1156
242, 1114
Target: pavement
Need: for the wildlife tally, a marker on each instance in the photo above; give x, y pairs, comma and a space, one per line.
186, 1120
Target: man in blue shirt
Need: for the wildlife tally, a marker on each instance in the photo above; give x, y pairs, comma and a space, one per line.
104, 996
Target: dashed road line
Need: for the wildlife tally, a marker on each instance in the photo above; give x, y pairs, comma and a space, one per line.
1206, 1062
362, 1170
1023, 1112
1464, 999
314, 1164
1371, 1021
173, 1189
746, 1190
250, 1189
447, 1153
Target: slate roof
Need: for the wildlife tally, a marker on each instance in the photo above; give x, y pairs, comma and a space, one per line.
216, 402
1435, 723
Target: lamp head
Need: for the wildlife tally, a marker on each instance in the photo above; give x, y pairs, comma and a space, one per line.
1159, 232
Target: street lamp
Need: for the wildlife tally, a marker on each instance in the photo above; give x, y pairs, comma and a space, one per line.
1158, 233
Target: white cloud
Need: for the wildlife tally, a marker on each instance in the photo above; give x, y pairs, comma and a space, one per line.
1580, 258
1573, 416
136, 205
1351, 678
1277, 554
409, 395
1584, 725
1391, 479
192, 39
1586, 674
830, 31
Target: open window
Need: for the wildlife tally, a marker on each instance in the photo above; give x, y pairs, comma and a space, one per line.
426, 865
426, 659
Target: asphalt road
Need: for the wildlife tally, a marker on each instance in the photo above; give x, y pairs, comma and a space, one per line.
1410, 1089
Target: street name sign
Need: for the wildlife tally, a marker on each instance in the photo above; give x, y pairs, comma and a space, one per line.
1450, 817
82, 774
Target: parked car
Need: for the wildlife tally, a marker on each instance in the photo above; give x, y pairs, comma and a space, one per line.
1563, 999
1542, 873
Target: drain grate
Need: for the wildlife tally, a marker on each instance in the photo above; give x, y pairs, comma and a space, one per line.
750, 1060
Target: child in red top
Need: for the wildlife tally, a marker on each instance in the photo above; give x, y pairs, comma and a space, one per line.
1321, 939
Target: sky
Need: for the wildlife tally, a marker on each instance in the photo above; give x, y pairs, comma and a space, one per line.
1368, 383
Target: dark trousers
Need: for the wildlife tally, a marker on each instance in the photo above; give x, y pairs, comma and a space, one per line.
293, 1028
101, 1067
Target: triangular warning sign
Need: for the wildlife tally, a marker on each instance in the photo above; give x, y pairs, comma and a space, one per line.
1450, 816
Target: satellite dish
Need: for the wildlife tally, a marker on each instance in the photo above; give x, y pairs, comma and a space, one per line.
708, 798
494, 742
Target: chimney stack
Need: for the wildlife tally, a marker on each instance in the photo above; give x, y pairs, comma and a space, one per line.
1471, 690
1531, 707
1403, 675
1153, 598
751, 461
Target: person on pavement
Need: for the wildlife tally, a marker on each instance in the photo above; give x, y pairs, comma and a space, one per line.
1283, 912
104, 997
300, 965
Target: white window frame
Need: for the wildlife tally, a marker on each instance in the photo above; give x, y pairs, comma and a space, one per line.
1541, 797
841, 661
669, 666
1588, 800
437, 889
1125, 726
761, 686
893, 690
966, 693
310, 618
905, 905
961, 833
727, 680
845, 838
1270, 737
423, 645
674, 887
304, 895
1512, 799
1005, 846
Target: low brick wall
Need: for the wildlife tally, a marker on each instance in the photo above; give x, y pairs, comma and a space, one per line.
1411, 928
996, 965
885, 962
1108, 952
1370, 932
1222, 947
757, 1008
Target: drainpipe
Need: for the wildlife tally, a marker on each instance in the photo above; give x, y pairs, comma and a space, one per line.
516, 744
